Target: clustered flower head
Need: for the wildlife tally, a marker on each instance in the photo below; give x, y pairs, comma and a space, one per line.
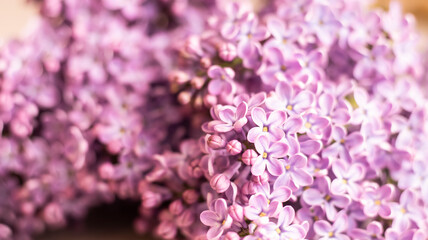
83, 100
300, 120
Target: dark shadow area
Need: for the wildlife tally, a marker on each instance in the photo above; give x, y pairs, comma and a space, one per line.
107, 222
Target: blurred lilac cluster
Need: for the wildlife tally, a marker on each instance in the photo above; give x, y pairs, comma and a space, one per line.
84, 106
301, 120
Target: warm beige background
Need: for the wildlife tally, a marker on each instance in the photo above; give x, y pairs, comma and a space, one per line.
16, 14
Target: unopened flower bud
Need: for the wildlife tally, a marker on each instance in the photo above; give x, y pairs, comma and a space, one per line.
27, 208
184, 97
205, 62
151, 199
106, 170
248, 188
166, 230
197, 82
5, 232
234, 147
210, 100
249, 157
194, 169
190, 196
236, 211
261, 179
176, 207
227, 52
231, 236
53, 215
216, 142
179, 77
186, 218
51, 8
141, 226
220, 183
193, 46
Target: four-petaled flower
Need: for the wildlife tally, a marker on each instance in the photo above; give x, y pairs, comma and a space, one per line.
326, 231
221, 80
376, 201
261, 209
217, 218
287, 98
270, 153
294, 174
322, 196
269, 126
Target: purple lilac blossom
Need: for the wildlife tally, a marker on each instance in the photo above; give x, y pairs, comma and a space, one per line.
162, 101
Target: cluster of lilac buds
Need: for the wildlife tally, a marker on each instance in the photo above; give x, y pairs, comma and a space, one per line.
303, 119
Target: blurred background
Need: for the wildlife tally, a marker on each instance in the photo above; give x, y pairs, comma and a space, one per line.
115, 221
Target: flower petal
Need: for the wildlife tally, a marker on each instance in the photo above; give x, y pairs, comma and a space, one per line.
312, 197
209, 218
259, 116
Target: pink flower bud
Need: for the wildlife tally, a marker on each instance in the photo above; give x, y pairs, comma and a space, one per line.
193, 46
199, 102
53, 215
261, 179
210, 100
231, 236
141, 226
51, 8
190, 196
236, 211
248, 188
166, 230
178, 77
194, 169
184, 97
186, 219
227, 51
249, 157
197, 82
27, 208
205, 62
176, 207
220, 183
151, 199
216, 142
234, 147
106, 170
5, 232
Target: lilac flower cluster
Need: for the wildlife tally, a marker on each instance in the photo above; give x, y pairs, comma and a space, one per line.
302, 120
319, 128
83, 100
